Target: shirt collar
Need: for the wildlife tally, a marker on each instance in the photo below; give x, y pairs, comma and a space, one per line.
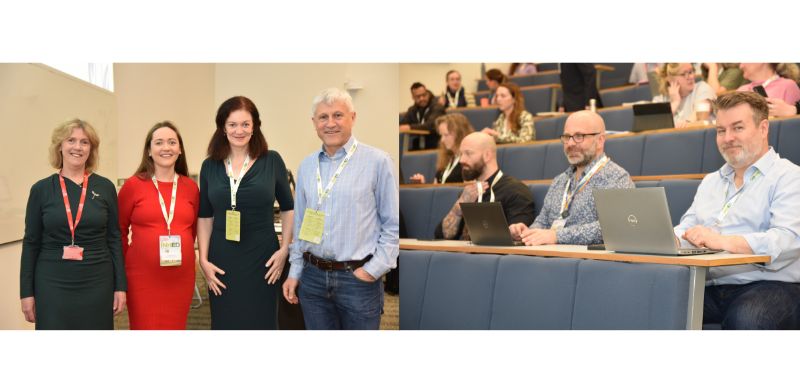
341, 152
762, 165
491, 178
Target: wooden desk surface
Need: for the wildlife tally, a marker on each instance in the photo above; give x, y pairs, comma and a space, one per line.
580, 251
415, 132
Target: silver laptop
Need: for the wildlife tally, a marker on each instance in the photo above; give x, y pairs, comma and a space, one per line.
652, 116
487, 224
638, 221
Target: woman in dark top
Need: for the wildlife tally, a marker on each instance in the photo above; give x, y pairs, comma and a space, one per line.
452, 129
239, 251
72, 274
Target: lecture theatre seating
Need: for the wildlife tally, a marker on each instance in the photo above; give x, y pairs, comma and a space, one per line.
536, 79
541, 98
678, 151
423, 208
494, 292
480, 118
627, 94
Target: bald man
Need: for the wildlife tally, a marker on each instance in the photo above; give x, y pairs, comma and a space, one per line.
479, 166
569, 215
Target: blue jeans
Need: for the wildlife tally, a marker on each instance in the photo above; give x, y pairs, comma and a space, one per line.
762, 305
337, 300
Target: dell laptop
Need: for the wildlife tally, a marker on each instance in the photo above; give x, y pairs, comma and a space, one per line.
652, 116
487, 224
638, 221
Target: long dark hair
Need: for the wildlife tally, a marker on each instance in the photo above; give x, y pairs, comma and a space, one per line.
147, 168
218, 147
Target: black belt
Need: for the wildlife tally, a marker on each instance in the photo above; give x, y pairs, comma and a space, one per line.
324, 264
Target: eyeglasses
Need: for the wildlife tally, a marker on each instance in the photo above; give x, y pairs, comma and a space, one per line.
577, 137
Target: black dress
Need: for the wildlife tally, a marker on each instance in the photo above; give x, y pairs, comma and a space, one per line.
72, 294
248, 302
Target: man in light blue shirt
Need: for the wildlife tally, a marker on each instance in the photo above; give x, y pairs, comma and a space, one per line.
751, 205
346, 223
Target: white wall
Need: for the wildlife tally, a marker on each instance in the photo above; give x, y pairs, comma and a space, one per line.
283, 94
151, 93
33, 100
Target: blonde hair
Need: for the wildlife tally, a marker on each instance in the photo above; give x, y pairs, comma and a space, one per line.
671, 69
62, 132
459, 126
788, 70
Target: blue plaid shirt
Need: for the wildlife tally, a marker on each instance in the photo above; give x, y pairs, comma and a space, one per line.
361, 213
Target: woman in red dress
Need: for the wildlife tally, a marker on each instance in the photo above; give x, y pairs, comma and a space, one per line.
160, 259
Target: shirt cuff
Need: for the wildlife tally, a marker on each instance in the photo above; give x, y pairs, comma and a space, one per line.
296, 269
374, 269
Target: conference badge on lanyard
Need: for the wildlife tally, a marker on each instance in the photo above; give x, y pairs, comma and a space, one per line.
169, 246
73, 252
313, 226
233, 218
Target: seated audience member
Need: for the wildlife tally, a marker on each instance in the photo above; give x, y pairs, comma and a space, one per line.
521, 68
479, 164
722, 77
494, 77
568, 215
640, 70
422, 116
749, 206
454, 95
679, 89
779, 80
452, 129
780, 108
579, 86
514, 124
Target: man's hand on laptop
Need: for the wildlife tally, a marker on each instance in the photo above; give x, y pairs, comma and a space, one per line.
701, 236
538, 236
516, 230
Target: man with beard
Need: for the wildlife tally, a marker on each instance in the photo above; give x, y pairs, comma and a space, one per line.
569, 215
749, 206
479, 164
422, 116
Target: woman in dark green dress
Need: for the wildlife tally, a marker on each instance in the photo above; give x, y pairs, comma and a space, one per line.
239, 251
71, 274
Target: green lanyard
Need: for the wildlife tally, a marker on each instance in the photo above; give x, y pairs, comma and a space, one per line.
730, 202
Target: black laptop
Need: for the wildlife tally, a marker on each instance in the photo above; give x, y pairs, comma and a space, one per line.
652, 116
487, 224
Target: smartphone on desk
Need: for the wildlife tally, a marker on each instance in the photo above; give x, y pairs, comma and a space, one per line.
760, 90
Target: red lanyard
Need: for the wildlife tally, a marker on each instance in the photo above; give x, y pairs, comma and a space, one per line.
80, 205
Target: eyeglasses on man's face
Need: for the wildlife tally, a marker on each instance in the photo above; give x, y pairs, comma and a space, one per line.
577, 137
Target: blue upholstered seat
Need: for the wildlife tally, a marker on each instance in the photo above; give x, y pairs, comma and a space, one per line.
550, 127
539, 99
673, 153
524, 162
626, 152
480, 118
630, 94
555, 161
617, 119
419, 162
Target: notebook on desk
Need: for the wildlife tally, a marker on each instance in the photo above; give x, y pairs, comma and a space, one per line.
638, 221
487, 224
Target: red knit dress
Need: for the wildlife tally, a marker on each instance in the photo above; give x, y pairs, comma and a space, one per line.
159, 297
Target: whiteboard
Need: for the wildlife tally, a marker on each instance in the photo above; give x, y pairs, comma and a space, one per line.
34, 99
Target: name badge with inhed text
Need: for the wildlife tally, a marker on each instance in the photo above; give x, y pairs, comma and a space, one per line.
169, 250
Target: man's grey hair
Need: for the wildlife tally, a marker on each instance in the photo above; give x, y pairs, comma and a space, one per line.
331, 95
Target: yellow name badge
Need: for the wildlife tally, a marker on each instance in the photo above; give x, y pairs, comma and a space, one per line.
313, 224
169, 250
233, 219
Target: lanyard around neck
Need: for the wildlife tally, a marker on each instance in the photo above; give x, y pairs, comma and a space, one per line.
733, 199
421, 119
72, 225
567, 199
449, 169
322, 194
235, 184
453, 100
171, 215
491, 188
